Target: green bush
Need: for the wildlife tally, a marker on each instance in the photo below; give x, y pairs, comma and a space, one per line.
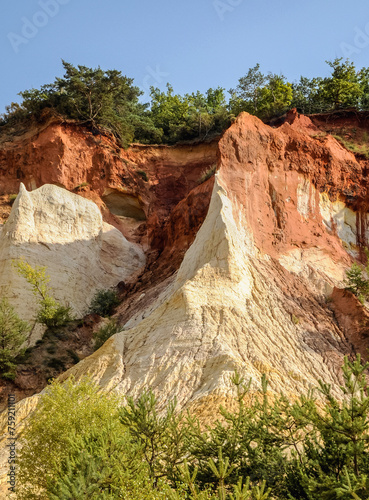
12, 198
51, 313
73, 355
207, 174
104, 333
104, 303
75, 447
356, 282
143, 175
78, 444
57, 364
12, 336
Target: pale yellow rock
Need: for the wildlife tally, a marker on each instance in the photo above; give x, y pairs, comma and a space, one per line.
316, 267
228, 308
338, 217
223, 312
305, 197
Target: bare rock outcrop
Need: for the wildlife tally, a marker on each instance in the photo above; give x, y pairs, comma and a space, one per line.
251, 292
242, 271
64, 232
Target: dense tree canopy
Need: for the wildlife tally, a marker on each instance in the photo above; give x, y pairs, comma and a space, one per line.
93, 97
107, 101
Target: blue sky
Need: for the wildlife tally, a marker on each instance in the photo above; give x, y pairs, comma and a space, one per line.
193, 44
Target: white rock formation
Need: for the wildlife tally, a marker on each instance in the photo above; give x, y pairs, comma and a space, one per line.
65, 232
228, 308
337, 216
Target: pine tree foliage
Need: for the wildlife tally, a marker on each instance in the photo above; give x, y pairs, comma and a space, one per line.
161, 437
107, 102
13, 334
357, 281
79, 444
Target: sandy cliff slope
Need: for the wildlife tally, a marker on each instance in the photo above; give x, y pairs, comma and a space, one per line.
242, 271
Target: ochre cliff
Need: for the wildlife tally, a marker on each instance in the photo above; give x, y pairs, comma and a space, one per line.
243, 271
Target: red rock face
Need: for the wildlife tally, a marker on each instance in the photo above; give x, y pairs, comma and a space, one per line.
155, 188
352, 318
143, 184
263, 168
154, 196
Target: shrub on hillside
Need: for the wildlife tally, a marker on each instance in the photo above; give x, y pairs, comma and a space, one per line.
51, 313
78, 444
356, 282
75, 447
104, 333
12, 336
104, 303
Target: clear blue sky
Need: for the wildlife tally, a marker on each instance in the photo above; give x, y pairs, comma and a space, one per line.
193, 44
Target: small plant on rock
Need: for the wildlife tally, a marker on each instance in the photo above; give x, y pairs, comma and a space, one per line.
143, 175
12, 198
12, 336
51, 313
104, 333
356, 282
207, 174
104, 303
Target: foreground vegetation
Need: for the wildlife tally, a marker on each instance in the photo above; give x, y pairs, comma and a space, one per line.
82, 444
107, 101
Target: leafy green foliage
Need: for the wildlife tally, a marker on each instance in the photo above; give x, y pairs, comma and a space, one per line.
51, 313
97, 98
246, 96
104, 464
104, 333
66, 414
250, 439
337, 445
104, 302
192, 116
12, 336
75, 447
342, 89
306, 97
262, 95
161, 437
79, 444
356, 282
108, 102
